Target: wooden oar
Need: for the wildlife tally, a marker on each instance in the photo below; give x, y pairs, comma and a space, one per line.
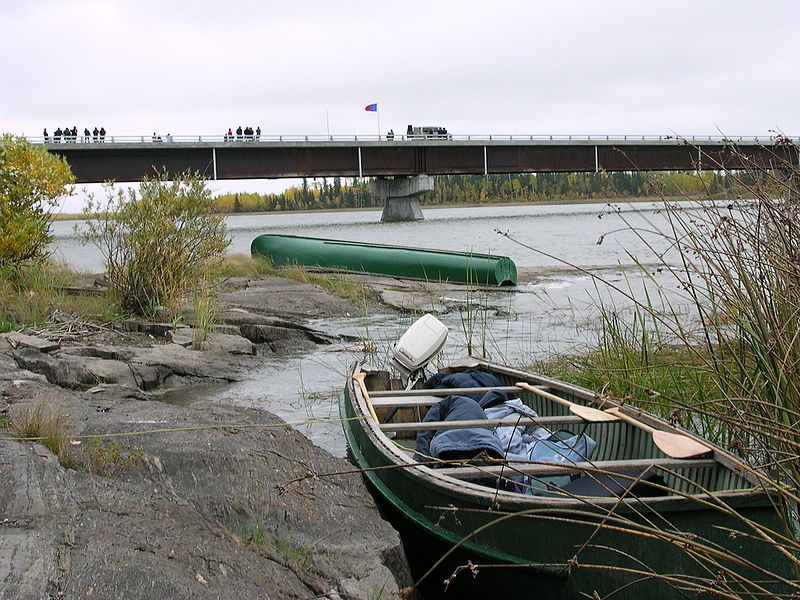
674, 445
587, 413
359, 377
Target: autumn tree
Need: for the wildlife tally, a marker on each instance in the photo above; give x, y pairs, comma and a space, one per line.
31, 182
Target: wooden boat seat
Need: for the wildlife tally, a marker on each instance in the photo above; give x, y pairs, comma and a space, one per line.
509, 389
403, 402
466, 424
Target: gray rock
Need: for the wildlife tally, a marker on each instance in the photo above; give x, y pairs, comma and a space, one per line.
16, 340
194, 364
182, 520
112, 392
240, 316
261, 334
215, 342
55, 370
233, 344
129, 325
225, 328
182, 337
157, 329
98, 370
100, 351
289, 298
149, 377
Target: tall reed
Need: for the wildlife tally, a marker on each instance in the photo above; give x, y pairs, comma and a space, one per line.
730, 367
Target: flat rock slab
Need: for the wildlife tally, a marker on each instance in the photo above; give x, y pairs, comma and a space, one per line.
215, 342
290, 298
16, 340
206, 510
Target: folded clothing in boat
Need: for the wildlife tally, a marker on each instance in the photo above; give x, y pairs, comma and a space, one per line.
471, 378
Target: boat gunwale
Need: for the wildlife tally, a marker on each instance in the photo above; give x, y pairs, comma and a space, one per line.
749, 497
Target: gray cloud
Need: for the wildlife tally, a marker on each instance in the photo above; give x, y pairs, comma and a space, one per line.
199, 67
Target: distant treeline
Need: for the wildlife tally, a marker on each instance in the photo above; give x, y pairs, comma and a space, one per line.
336, 192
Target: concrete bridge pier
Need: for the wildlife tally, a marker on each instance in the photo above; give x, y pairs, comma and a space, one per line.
400, 196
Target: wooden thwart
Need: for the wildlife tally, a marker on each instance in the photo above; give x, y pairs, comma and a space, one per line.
469, 473
404, 402
468, 424
508, 389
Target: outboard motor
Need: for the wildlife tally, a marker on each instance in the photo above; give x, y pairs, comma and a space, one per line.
418, 346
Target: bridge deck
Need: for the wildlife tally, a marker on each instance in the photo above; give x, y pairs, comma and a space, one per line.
128, 158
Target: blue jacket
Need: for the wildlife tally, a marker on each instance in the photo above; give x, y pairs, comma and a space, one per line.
463, 379
476, 439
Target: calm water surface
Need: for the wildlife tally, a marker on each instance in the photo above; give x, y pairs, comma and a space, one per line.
552, 310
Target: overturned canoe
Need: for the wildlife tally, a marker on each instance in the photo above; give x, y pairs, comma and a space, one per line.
395, 261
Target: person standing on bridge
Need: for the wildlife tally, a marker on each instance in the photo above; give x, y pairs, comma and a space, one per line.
86, 134
239, 133
102, 134
95, 133
46, 136
258, 133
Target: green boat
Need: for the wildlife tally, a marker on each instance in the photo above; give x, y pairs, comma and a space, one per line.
394, 261
675, 527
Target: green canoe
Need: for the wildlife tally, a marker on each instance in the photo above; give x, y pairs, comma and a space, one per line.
692, 529
395, 261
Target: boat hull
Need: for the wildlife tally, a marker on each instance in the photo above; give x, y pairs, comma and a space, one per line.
395, 261
527, 546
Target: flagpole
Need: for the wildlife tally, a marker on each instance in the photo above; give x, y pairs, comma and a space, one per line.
378, 114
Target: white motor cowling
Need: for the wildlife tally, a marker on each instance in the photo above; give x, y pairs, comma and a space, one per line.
418, 346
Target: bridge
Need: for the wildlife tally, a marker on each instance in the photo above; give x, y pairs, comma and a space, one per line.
404, 164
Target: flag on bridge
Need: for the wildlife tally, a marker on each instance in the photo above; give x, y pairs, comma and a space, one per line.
371, 108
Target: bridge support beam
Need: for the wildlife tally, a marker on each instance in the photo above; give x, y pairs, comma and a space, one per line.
400, 197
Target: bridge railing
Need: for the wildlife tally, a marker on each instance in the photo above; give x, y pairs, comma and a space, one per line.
294, 138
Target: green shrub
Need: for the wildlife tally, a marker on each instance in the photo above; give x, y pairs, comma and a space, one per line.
108, 457
31, 182
158, 241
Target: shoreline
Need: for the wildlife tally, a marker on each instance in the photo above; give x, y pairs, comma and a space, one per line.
550, 202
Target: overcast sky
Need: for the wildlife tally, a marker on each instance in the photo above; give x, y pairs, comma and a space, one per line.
593, 67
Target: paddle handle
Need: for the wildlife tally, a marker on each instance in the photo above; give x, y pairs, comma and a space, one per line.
628, 419
359, 377
543, 394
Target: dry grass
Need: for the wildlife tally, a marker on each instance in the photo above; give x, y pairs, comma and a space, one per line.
45, 424
732, 370
241, 265
29, 296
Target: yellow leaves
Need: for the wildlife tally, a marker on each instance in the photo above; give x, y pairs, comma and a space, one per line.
31, 182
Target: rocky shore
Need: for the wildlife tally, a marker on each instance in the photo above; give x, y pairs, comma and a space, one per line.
136, 498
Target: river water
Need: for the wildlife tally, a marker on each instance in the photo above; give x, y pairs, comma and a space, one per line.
553, 309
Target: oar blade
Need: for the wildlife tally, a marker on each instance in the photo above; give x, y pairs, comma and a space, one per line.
676, 445
593, 415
